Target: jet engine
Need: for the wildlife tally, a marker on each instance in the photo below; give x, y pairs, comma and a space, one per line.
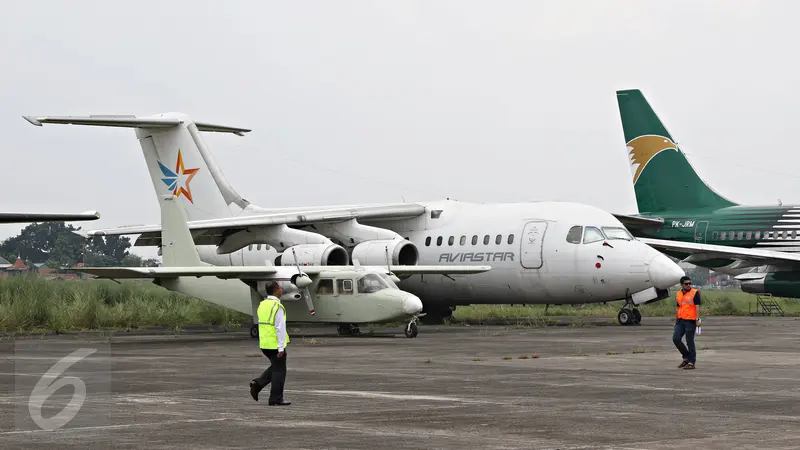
313, 255
373, 253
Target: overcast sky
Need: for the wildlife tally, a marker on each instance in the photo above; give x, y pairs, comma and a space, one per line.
377, 101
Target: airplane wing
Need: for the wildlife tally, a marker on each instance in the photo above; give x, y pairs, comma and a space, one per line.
700, 252
214, 231
634, 221
258, 272
8, 217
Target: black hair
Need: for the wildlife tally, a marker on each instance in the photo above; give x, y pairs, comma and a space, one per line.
271, 287
685, 278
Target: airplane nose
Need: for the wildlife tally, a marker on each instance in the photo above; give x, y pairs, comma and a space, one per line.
664, 273
412, 304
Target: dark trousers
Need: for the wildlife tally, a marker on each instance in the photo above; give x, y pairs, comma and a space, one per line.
687, 327
275, 374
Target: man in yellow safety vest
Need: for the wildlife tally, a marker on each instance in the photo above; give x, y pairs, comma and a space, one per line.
272, 339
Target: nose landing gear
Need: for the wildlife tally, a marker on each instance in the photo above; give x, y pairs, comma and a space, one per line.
629, 315
411, 329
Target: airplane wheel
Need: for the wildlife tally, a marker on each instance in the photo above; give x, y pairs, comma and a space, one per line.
625, 317
254, 331
637, 317
411, 330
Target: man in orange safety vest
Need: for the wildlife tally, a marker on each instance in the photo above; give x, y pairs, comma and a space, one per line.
687, 319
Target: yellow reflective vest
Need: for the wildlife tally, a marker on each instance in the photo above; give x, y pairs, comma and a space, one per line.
267, 334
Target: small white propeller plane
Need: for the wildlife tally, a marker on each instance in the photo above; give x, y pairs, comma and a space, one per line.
332, 294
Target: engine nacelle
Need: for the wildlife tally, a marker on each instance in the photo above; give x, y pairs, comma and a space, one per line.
290, 290
314, 255
373, 253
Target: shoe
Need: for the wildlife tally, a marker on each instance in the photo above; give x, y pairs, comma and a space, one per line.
279, 403
683, 364
254, 390
689, 366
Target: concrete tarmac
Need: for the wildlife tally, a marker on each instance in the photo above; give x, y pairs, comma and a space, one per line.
571, 387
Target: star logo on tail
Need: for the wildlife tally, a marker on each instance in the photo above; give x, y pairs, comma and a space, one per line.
178, 181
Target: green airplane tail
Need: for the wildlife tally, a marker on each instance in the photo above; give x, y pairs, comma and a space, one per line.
663, 179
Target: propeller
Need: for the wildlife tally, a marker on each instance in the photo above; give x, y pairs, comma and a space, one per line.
303, 281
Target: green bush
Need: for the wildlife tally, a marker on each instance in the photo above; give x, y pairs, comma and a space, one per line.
33, 304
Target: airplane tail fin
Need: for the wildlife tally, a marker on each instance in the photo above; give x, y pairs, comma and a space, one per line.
177, 158
177, 244
663, 179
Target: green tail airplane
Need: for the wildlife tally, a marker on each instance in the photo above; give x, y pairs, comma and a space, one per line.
680, 215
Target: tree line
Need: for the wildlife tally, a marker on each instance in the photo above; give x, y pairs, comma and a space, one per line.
55, 245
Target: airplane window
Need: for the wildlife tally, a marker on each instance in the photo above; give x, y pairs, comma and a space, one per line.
758, 235
769, 236
749, 235
475, 240
427, 241
325, 287
714, 235
345, 287
258, 247
741, 235
250, 248
451, 240
780, 234
794, 234
439, 241
592, 235
574, 235
370, 283
722, 236
498, 239
731, 235
463, 240
486, 240
617, 233
510, 239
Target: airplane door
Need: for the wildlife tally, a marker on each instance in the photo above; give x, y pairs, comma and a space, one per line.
700, 231
531, 244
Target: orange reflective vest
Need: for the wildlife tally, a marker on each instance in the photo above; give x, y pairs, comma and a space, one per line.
687, 310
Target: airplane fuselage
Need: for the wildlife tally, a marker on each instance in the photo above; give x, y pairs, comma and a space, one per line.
774, 228
527, 246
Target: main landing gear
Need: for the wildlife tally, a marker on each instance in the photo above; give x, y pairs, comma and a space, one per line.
629, 315
347, 329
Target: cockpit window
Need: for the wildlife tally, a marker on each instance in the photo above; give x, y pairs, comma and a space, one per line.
574, 235
617, 233
592, 234
370, 283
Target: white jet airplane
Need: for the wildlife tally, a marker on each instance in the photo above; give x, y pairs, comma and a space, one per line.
343, 294
539, 252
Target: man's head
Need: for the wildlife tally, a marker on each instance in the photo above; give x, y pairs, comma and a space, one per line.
273, 288
686, 283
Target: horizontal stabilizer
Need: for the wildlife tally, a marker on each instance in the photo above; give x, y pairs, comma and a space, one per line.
132, 122
9, 217
631, 221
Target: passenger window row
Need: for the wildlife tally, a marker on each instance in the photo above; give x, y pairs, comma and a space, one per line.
757, 235
463, 240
